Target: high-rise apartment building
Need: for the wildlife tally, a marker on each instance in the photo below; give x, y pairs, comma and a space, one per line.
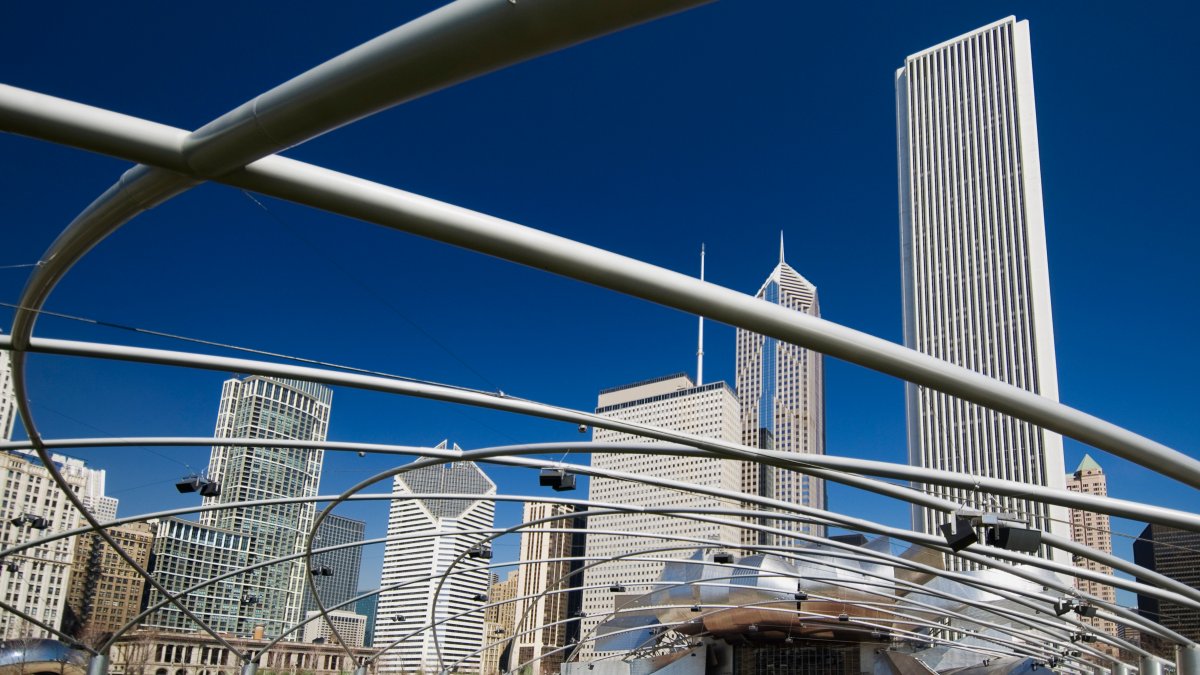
546, 582
262, 407
671, 402
344, 562
35, 580
782, 391
425, 537
105, 592
1176, 554
1093, 530
973, 250
8, 402
187, 553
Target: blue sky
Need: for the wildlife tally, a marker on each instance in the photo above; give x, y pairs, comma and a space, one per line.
723, 125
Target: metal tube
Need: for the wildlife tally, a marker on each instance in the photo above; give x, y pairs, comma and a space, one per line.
1187, 660
1150, 665
98, 665
372, 202
1147, 513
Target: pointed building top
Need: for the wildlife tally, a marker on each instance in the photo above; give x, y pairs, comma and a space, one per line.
781, 247
1088, 464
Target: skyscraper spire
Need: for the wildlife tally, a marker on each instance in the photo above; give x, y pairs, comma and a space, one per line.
781, 247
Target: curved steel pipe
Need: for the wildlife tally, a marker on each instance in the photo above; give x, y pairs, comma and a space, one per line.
484, 400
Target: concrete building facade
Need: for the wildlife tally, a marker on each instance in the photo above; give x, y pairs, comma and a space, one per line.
350, 625
975, 271
671, 402
105, 592
35, 580
147, 652
499, 624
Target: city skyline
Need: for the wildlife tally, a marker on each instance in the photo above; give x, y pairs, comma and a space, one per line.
168, 402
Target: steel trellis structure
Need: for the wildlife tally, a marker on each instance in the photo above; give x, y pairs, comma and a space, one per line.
422, 57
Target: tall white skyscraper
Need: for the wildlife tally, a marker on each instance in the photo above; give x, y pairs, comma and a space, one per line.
782, 391
424, 537
8, 403
262, 407
672, 402
973, 248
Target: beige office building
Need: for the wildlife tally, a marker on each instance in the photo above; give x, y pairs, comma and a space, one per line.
105, 591
499, 621
350, 625
671, 402
540, 625
1093, 530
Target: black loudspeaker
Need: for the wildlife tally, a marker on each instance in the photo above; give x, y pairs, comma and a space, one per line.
1015, 539
959, 534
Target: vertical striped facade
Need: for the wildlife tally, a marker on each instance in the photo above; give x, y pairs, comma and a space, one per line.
423, 627
973, 248
8, 401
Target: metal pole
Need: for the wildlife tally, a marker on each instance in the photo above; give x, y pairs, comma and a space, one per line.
1150, 665
250, 668
1187, 660
1118, 668
98, 665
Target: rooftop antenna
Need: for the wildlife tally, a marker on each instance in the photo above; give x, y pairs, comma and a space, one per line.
700, 343
781, 247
